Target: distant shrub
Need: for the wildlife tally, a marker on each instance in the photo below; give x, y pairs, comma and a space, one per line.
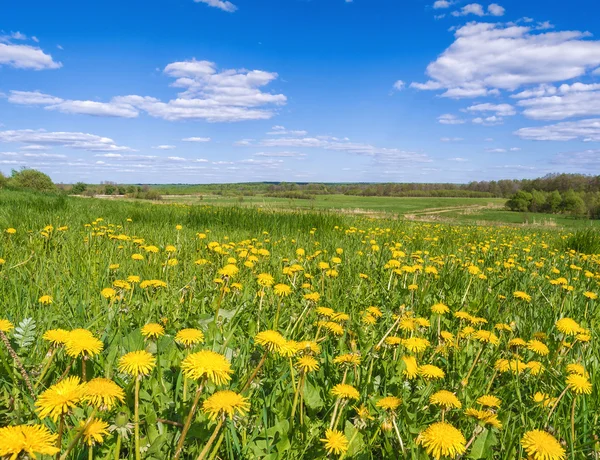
31, 179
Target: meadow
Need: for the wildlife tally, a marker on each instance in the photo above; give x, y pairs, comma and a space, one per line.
137, 330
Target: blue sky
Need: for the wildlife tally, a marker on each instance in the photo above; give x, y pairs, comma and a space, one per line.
299, 90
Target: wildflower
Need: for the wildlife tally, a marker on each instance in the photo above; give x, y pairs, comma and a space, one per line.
522, 295
137, 363
335, 442
45, 300
541, 445
516, 342
333, 327
108, 293
590, 295
153, 331
535, 367
574, 368
416, 344
282, 290
60, 398
209, 364
189, 337
228, 270
544, 398
28, 439
440, 309
445, 399
264, 279
308, 346
137, 257
225, 402
489, 401
486, 337
103, 393
579, 384
345, 391
486, 417
411, 367
376, 312
568, 326
56, 336
538, 347
271, 340
307, 364
429, 371
81, 342
442, 440
390, 403
94, 431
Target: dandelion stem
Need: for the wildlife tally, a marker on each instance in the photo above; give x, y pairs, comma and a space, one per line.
118, 447
260, 364
61, 427
556, 404
45, 369
300, 382
465, 381
398, 434
573, 422
215, 450
188, 422
211, 439
136, 418
78, 436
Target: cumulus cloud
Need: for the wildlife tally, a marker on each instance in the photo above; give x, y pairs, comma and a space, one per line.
585, 130
441, 4
575, 100
74, 140
495, 10
488, 57
163, 147
283, 131
280, 154
222, 5
22, 56
471, 8
451, 139
399, 85
208, 94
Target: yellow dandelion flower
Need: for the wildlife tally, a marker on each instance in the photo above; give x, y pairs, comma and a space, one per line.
227, 403
282, 290
442, 440
522, 296
189, 337
45, 300
440, 309
535, 367
411, 367
108, 293
137, 363
416, 344
56, 336
348, 358
489, 401
334, 328
431, 372
28, 439
60, 398
345, 391
209, 364
390, 403
445, 399
81, 342
575, 368
94, 431
541, 445
486, 337
271, 340
307, 364
579, 384
153, 331
335, 442
103, 393
568, 326
538, 347
5, 325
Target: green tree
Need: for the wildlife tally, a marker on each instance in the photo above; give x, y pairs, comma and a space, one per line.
573, 204
31, 179
78, 188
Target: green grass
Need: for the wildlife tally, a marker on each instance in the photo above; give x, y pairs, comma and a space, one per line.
353, 263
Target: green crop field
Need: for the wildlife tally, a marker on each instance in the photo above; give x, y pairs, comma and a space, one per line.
217, 331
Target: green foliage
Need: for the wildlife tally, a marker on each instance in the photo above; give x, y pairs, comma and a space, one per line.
586, 241
31, 179
25, 334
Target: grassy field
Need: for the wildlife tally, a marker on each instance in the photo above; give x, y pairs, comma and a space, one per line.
258, 333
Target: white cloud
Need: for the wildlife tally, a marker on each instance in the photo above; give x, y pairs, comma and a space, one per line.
541, 90
196, 139
280, 154
32, 98
44, 155
498, 150
441, 4
495, 10
451, 139
281, 130
226, 96
502, 110
458, 159
577, 99
586, 130
588, 159
488, 57
163, 147
488, 121
399, 85
26, 57
471, 8
222, 5
449, 119
74, 140
176, 159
